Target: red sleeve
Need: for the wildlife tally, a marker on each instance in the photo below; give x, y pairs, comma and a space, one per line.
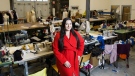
57, 54
81, 48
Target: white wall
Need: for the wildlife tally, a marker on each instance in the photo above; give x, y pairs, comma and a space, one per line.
125, 2
94, 5
4, 5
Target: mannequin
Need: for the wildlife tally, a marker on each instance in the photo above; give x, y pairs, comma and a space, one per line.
33, 18
77, 14
65, 14
10, 12
28, 16
6, 18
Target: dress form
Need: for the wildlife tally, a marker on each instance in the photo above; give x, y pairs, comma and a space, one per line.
6, 18
28, 16
33, 18
77, 14
65, 14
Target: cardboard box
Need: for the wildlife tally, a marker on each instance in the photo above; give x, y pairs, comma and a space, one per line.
94, 61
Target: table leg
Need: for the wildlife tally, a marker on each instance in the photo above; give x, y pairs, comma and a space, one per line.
26, 69
11, 70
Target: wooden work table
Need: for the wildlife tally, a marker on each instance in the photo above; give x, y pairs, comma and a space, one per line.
17, 27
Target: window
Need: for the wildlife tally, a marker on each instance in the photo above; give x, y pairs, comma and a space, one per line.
19, 0
32, 0
27, 0
45, 0
39, 0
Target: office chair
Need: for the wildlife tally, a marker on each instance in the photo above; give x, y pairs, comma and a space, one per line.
54, 68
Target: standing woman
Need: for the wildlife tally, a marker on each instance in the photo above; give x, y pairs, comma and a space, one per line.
68, 46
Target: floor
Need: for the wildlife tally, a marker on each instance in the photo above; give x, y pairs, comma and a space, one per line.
109, 70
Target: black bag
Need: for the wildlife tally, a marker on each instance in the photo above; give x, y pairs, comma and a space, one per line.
87, 49
96, 51
17, 55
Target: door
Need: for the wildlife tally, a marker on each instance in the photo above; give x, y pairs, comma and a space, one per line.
27, 8
42, 9
126, 13
45, 10
39, 9
19, 7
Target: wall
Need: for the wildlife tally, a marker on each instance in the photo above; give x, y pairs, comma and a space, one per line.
4, 5
125, 2
94, 5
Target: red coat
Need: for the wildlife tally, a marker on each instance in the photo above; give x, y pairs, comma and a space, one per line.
70, 53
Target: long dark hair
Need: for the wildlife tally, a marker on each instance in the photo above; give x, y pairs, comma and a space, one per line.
62, 33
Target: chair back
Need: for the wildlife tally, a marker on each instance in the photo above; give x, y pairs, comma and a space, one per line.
85, 58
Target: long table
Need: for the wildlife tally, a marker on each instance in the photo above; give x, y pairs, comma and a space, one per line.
9, 63
124, 34
31, 56
98, 19
96, 34
16, 27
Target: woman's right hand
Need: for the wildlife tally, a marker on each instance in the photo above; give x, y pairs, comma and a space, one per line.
67, 64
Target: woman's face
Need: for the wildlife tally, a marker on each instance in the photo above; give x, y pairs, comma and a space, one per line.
68, 25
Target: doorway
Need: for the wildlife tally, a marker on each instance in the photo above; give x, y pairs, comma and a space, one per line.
126, 12
115, 9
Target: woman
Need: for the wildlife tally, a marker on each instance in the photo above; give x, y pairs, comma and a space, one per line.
68, 46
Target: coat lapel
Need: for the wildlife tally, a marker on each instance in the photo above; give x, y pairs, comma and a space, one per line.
71, 40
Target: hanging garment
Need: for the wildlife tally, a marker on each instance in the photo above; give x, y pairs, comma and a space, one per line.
6, 18
112, 50
52, 30
10, 12
87, 27
69, 53
65, 14
1, 18
101, 41
123, 49
15, 17
10, 18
